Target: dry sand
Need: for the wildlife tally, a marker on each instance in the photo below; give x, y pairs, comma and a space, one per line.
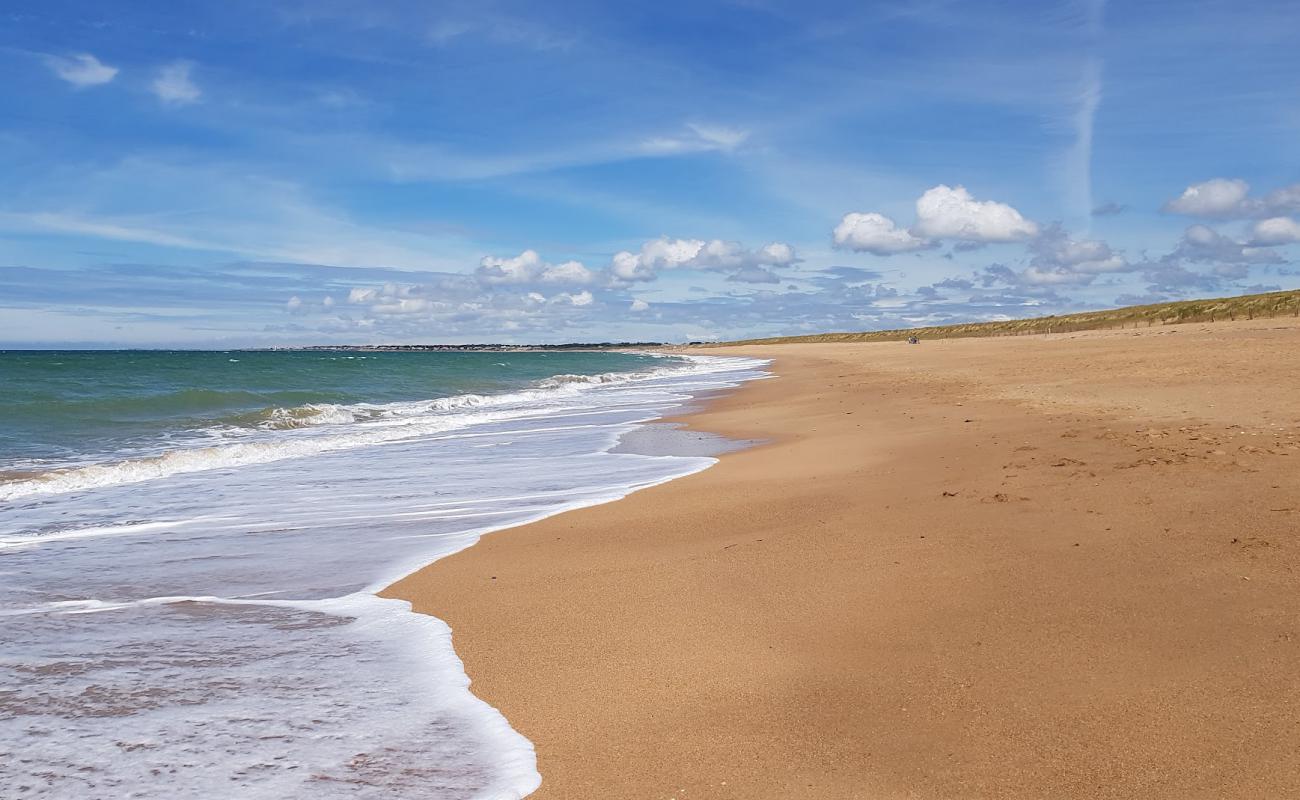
1042, 567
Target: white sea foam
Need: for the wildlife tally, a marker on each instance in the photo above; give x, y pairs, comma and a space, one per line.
204, 623
383, 423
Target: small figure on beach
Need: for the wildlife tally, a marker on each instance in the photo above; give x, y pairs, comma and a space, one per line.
912, 340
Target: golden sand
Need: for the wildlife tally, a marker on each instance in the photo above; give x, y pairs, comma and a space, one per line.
1038, 567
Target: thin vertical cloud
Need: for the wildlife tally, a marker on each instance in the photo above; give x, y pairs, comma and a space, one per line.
1087, 100
1080, 159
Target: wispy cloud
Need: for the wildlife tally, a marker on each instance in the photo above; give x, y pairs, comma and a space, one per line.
216, 210
174, 86
697, 138
499, 30
81, 70
1079, 160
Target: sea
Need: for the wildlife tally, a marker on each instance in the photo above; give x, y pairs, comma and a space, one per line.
192, 543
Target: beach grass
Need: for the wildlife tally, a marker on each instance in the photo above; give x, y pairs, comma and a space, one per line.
1251, 306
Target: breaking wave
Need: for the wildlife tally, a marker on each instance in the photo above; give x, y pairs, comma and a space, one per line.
315, 428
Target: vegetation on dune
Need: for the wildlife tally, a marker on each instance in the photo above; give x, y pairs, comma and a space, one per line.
1251, 306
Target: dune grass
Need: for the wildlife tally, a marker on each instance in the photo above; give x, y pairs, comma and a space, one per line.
1251, 306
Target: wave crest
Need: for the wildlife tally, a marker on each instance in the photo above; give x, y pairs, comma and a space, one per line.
284, 433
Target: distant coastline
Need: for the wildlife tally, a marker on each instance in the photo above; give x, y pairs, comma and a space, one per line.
503, 348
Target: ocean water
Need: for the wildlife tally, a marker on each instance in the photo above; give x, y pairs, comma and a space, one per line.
191, 543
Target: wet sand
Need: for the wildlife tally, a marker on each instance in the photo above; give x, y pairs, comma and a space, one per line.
1052, 566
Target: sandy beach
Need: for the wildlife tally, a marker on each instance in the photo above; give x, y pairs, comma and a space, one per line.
1025, 567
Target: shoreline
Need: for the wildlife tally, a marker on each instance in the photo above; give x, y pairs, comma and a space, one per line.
961, 569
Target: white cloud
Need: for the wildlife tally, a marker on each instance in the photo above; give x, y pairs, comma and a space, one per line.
1206, 245
875, 233
294, 303
220, 208
523, 268
1275, 231
404, 305
946, 212
529, 267
1229, 198
174, 86
497, 30
722, 137
699, 138
101, 229
639, 305
734, 258
1039, 276
778, 254
393, 299
81, 70
628, 267
1055, 251
1218, 197
1078, 159
943, 212
583, 298
568, 272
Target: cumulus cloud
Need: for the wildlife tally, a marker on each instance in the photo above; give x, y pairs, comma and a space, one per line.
174, 86
528, 267
1218, 197
523, 268
583, 298
81, 70
1206, 245
457, 302
1229, 198
946, 212
639, 305
1055, 250
568, 272
1275, 231
391, 299
733, 258
875, 233
942, 213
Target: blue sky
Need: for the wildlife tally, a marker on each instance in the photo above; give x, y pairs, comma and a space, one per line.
310, 172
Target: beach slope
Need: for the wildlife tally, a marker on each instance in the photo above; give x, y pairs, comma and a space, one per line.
1042, 566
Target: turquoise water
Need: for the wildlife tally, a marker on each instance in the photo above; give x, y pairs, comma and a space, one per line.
192, 546
60, 407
